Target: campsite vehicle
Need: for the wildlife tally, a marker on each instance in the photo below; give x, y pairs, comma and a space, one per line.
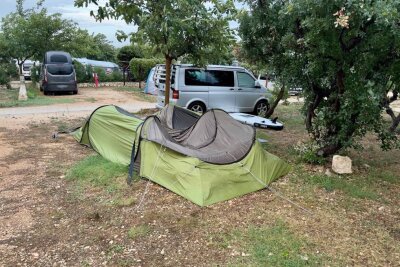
175, 149
266, 81
58, 73
295, 91
231, 88
108, 66
26, 68
150, 87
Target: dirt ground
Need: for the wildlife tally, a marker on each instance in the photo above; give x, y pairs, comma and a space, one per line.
47, 220
84, 103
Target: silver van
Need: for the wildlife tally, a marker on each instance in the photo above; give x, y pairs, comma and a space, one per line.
231, 88
58, 73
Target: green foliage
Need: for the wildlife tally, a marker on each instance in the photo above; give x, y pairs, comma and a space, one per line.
81, 74
126, 53
307, 153
170, 26
342, 53
29, 33
116, 76
89, 73
35, 73
97, 170
7, 71
101, 74
100, 48
197, 29
140, 67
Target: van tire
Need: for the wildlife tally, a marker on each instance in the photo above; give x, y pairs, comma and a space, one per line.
261, 108
75, 92
198, 107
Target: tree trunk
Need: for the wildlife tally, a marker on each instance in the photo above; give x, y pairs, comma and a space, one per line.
310, 112
20, 67
124, 74
276, 102
328, 150
168, 61
395, 123
140, 84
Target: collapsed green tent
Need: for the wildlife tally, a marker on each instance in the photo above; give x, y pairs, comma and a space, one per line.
206, 159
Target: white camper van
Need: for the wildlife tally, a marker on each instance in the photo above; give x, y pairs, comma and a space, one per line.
231, 88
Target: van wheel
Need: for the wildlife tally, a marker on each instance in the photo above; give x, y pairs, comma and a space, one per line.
261, 108
197, 107
75, 92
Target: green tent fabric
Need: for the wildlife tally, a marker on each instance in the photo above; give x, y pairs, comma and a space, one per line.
204, 159
110, 131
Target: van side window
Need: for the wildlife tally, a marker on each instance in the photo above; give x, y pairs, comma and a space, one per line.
58, 59
220, 78
245, 80
195, 77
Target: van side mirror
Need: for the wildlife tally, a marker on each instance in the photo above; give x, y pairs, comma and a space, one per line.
257, 84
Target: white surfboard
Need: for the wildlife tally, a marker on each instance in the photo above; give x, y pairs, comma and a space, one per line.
257, 121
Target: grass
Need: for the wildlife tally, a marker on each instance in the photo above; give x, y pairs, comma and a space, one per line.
9, 98
274, 245
138, 93
124, 202
98, 171
138, 231
356, 188
247, 232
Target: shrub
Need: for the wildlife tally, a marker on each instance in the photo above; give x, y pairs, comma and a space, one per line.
116, 76
140, 67
101, 74
80, 71
7, 71
35, 74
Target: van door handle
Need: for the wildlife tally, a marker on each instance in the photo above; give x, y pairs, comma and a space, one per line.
232, 89
240, 89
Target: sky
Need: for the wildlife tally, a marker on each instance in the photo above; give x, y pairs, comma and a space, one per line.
79, 15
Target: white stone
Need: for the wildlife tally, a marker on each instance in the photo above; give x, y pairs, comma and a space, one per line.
341, 164
22, 90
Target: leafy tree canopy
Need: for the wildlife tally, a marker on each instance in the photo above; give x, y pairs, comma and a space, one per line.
29, 33
198, 29
344, 54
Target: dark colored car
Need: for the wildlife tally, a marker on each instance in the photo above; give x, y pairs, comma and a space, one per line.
58, 73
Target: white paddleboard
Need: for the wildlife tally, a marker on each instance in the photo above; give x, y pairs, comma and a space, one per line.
257, 121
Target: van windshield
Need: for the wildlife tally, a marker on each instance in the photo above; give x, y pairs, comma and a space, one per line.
60, 69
